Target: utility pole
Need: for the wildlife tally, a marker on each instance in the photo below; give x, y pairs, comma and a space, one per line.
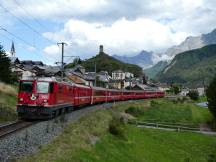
95, 74
62, 59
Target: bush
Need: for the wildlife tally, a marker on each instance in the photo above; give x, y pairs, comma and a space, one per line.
135, 111
154, 104
116, 127
211, 96
194, 95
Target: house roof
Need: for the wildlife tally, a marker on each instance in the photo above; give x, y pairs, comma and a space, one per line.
90, 76
30, 62
118, 71
14, 60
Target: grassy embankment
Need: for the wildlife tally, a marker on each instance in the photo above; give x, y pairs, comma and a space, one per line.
8, 97
99, 136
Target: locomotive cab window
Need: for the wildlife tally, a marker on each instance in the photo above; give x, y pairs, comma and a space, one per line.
42, 87
26, 86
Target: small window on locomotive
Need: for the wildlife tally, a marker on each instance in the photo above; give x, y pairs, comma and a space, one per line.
60, 88
42, 87
26, 86
51, 88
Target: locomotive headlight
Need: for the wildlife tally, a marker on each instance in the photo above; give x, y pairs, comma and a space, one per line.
21, 99
45, 100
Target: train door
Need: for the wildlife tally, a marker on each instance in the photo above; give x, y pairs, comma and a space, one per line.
76, 96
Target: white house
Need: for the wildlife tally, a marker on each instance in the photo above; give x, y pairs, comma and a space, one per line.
201, 91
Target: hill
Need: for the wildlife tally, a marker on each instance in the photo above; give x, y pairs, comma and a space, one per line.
154, 70
105, 62
193, 68
144, 59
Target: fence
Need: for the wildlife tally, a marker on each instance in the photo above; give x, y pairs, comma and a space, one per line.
165, 125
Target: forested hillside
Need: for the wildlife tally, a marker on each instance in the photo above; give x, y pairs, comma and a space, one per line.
105, 62
195, 67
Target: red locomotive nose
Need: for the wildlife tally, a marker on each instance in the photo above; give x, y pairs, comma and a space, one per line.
25, 91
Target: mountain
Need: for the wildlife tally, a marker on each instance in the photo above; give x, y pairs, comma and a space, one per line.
192, 68
104, 62
193, 43
154, 70
144, 59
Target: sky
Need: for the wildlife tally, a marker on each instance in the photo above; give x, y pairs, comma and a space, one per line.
124, 27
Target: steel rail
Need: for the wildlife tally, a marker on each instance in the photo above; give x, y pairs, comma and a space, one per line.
14, 127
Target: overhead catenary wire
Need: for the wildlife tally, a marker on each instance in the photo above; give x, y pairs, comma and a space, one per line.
25, 42
26, 24
17, 37
5, 36
30, 15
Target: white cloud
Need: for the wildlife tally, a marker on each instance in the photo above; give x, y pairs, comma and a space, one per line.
122, 26
122, 37
52, 50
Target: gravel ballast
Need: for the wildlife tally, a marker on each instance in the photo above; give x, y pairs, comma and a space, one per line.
29, 140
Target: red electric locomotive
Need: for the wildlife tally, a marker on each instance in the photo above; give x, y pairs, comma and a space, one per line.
43, 98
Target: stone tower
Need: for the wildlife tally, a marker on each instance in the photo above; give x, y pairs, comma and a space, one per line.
101, 49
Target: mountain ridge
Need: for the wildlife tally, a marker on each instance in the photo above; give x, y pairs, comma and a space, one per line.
144, 59
191, 67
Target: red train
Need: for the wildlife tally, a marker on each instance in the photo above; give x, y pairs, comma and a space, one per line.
46, 97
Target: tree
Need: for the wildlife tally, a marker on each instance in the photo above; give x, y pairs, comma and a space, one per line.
193, 94
175, 89
5, 71
76, 61
211, 96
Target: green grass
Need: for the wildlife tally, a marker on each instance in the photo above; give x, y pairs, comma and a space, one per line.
202, 99
148, 145
7, 107
90, 140
8, 100
80, 135
168, 111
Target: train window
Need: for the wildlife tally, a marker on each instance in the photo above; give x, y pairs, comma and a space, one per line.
51, 88
60, 88
42, 87
26, 86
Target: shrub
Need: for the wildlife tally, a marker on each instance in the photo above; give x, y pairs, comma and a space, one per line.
116, 127
194, 95
154, 103
135, 111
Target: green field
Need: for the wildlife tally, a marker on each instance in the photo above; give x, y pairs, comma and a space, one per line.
175, 112
90, 138
150, 145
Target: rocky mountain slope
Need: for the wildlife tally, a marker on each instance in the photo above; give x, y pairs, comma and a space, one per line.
193, 43
144, 59
194, 68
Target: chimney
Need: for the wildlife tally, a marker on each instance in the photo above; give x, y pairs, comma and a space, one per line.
101, 49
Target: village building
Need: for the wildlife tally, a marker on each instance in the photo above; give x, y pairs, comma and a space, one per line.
184, 92
122, 80
201, 91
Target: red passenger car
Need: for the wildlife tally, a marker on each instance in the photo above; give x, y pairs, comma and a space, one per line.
47, 97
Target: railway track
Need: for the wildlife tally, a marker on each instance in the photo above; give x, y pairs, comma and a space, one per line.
14, 127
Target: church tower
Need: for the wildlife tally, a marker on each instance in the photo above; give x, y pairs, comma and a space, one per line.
13, 52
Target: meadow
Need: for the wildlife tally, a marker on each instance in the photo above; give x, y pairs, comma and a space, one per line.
104, 136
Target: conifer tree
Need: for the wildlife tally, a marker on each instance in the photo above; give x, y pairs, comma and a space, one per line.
5, 71
211, 96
